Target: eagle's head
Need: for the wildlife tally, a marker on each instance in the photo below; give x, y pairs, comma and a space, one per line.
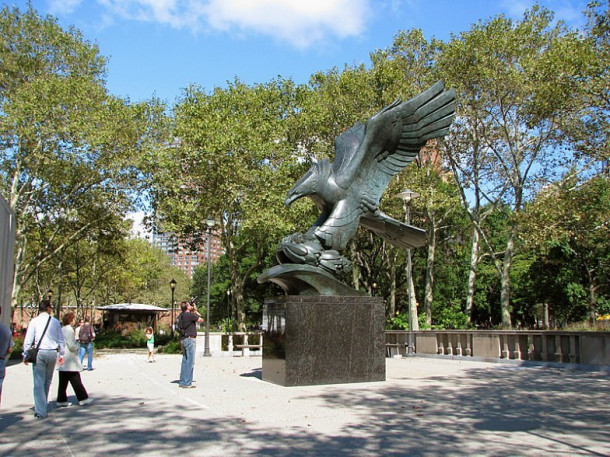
311, 183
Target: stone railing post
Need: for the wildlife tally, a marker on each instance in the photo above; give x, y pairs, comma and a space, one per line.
468, 351
558, 353
517, 351
505, 353
572, 355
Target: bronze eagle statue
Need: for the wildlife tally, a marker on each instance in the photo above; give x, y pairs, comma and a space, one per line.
348, 191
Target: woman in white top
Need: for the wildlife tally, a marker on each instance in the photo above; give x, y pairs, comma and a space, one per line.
69, 372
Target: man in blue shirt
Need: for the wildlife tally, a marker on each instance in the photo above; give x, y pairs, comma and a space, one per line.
51, 351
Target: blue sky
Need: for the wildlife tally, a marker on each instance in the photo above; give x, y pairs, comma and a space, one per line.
159, 47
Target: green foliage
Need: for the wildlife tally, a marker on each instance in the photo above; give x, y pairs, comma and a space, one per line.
398, 322
170, 347
401, 322
110, 339
449, 316
222, 304
70, 151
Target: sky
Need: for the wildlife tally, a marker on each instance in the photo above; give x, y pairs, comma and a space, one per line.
160, 47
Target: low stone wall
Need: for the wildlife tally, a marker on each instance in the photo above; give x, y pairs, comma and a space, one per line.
585, 348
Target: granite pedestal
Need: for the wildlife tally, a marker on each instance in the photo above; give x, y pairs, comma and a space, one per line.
312, 340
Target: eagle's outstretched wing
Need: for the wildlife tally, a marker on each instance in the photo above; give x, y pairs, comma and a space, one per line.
391, 139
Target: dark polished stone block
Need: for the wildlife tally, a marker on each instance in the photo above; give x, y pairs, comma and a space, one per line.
312, 340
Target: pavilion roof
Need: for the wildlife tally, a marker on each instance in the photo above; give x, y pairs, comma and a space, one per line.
132, 307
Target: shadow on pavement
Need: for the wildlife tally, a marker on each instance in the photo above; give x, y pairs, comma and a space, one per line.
474, 414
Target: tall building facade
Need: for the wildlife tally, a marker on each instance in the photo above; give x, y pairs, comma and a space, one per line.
183, 255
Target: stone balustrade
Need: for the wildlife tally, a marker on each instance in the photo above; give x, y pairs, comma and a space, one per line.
232, 344
585, 348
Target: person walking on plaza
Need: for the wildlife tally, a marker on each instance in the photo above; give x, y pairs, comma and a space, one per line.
45, 332
6, 346
77, 329
150, 344
187, 328
69, 372
86, 335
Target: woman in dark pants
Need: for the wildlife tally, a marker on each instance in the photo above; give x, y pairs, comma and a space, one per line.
69, 372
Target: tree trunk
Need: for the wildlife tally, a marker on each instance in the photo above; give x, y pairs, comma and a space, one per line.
392, 297
505, 280
412, 303
472, 274
20, 251
355, 266
592, 296
429, 291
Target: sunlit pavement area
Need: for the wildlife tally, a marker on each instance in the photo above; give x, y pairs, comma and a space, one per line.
427, 407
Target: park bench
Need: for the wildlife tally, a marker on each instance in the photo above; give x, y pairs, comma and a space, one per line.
245, 348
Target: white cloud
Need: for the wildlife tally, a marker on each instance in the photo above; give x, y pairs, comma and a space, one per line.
299, 22
63, 6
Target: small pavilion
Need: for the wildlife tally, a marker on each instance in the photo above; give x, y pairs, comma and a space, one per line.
125, 317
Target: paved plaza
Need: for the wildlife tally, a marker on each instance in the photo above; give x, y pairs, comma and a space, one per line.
426, 407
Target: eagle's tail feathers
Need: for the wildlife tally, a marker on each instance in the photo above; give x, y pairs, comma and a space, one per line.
394, 232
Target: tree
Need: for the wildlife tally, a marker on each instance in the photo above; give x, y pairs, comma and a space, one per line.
516, 81
68, 148
588, 128
568, 226
234, 160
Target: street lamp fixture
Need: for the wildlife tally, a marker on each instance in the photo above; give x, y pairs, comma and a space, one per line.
374, 286
407, 195
210, 223
49, 295
172, 285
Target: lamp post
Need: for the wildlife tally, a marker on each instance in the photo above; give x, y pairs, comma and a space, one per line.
374, 288
228, 305
407, 195
172, 285
210, 222
49, 295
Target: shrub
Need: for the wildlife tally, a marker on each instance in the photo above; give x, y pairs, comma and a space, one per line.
17, 348
109, 339
170, 347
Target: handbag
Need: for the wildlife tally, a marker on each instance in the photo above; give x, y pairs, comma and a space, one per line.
32, 353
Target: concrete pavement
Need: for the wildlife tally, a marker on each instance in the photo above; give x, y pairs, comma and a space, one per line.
426, 407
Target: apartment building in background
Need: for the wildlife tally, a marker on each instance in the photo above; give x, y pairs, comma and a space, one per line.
182, 254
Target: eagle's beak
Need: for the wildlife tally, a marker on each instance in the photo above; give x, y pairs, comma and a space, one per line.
291, 197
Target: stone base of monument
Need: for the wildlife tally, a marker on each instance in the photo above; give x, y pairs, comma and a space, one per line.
312, 340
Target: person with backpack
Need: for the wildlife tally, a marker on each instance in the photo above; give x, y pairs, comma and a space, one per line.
86, 335
186, 326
